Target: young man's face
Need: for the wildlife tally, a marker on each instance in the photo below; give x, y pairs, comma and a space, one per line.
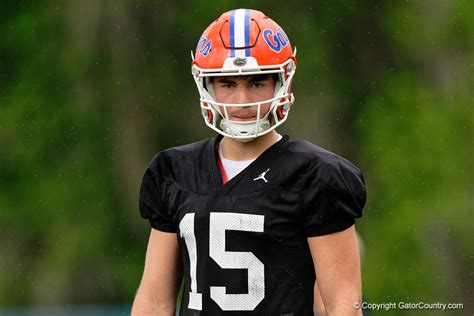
244, 89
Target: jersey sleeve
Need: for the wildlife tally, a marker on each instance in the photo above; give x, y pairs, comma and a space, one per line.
151, 201
334, 197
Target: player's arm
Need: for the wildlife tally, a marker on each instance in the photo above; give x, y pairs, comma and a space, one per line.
337, 263
161, 277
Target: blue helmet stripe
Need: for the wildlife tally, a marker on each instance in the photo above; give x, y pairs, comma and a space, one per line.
231, 32
247, 32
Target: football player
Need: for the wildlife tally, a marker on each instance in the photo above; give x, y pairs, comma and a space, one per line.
249, 218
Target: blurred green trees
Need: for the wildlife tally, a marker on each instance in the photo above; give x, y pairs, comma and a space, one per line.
91, 90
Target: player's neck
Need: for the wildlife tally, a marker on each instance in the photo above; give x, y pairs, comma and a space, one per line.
234, 150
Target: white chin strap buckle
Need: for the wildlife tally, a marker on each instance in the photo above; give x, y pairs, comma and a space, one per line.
244, 131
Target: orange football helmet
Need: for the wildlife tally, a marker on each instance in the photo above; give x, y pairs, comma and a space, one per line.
240, 43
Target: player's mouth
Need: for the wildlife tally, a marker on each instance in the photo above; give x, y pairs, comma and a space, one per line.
243, 118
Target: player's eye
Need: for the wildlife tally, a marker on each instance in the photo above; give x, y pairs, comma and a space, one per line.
257, 84
227, 84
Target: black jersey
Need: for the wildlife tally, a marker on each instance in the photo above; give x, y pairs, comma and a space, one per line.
244, 244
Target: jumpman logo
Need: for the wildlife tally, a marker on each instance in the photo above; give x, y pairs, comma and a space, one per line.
262, 176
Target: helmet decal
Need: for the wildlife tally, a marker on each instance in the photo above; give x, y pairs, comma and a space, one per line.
240, 61
204, 46
275, 41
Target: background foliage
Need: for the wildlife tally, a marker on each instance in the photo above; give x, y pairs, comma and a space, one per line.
90, 90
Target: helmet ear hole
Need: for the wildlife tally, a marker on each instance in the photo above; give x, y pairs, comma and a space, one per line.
280, 112
209, 116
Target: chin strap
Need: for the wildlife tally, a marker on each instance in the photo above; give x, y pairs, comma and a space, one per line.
244, 128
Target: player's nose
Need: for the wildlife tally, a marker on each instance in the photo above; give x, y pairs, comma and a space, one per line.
242, 95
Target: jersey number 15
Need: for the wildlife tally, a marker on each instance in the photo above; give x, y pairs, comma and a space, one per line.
219, 223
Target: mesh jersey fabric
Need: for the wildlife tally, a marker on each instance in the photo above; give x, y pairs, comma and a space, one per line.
243, 244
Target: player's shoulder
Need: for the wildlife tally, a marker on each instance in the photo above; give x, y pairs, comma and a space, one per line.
189, 151
316, 154
322, 163
180, 157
